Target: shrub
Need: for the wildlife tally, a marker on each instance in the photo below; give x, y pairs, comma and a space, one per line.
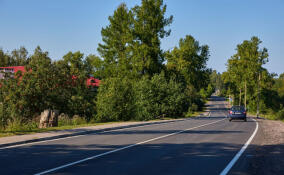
157, 96
2, 117
146, 99
64, 120
280, 114
192, 108
17, 125
115, 100
77, 120
203, 93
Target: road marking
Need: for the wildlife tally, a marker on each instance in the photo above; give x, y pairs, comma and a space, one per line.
238, 155
86, 134
123, 148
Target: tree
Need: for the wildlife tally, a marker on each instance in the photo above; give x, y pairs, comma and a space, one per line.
149, 28
80, 98
235, 75
131, 42
216, 81
95, 66
115, 100
188, 62
279, 85
159, 96
5, 59
32, 92
117, 37
245, 67
20, 57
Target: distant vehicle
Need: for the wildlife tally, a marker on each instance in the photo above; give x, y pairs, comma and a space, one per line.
237, 112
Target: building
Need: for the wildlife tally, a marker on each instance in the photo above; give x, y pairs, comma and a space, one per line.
12, 70
91, 81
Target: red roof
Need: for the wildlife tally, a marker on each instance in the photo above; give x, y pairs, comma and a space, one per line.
93, 82
90, 81
16, 68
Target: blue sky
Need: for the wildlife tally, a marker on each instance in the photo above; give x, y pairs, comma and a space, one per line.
59, 26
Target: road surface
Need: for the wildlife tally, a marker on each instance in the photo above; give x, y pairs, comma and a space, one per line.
201, 145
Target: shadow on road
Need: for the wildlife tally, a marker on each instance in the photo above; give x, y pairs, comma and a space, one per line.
159, 158
261, 160
216, 98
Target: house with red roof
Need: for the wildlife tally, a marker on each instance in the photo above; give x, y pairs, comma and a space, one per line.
93, 82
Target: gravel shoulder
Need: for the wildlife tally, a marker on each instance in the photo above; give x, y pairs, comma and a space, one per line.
268, 149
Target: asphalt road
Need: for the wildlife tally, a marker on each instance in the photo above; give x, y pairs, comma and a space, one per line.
202, 145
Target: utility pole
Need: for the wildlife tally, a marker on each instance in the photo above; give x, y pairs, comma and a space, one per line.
257, 112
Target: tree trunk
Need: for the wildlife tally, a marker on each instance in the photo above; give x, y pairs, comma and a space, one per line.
245, 94
240, 101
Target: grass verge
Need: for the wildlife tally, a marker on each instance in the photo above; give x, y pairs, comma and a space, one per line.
26, 130
18, 129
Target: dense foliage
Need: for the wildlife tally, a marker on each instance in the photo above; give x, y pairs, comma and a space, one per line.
47, 85
248, 83
140, 81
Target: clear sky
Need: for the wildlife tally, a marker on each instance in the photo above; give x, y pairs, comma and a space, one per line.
59, 26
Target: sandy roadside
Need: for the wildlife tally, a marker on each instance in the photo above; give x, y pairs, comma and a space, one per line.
269, 150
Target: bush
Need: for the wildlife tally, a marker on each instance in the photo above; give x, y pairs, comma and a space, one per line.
146, 99
280, 114
64, 120
157, 97
77, 120
2, 117
206, 93
115, 100
17, 125
193, 108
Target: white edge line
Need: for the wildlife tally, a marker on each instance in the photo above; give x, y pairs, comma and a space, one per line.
83, 134
119, 149
238, 155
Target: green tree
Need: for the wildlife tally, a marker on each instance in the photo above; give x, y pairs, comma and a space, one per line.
95, 66
188, 62
30, 93
80, 99
5, 59
117, 37
216, 81
245, 66
131, 42
20, 57
159, 96
149, 28
115, 100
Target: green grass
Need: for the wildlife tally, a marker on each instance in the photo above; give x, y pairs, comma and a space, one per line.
25, 130
20, 130
267, 116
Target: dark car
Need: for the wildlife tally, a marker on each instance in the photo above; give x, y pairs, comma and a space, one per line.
237, 112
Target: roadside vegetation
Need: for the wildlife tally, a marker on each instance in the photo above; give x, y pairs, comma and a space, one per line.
139, 80
248, 83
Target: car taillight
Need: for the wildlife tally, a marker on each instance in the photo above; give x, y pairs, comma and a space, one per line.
244, 112
231, 112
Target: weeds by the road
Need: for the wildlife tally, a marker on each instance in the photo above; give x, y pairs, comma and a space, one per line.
17, 128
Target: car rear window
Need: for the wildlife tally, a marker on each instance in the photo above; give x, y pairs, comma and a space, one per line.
237, 108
